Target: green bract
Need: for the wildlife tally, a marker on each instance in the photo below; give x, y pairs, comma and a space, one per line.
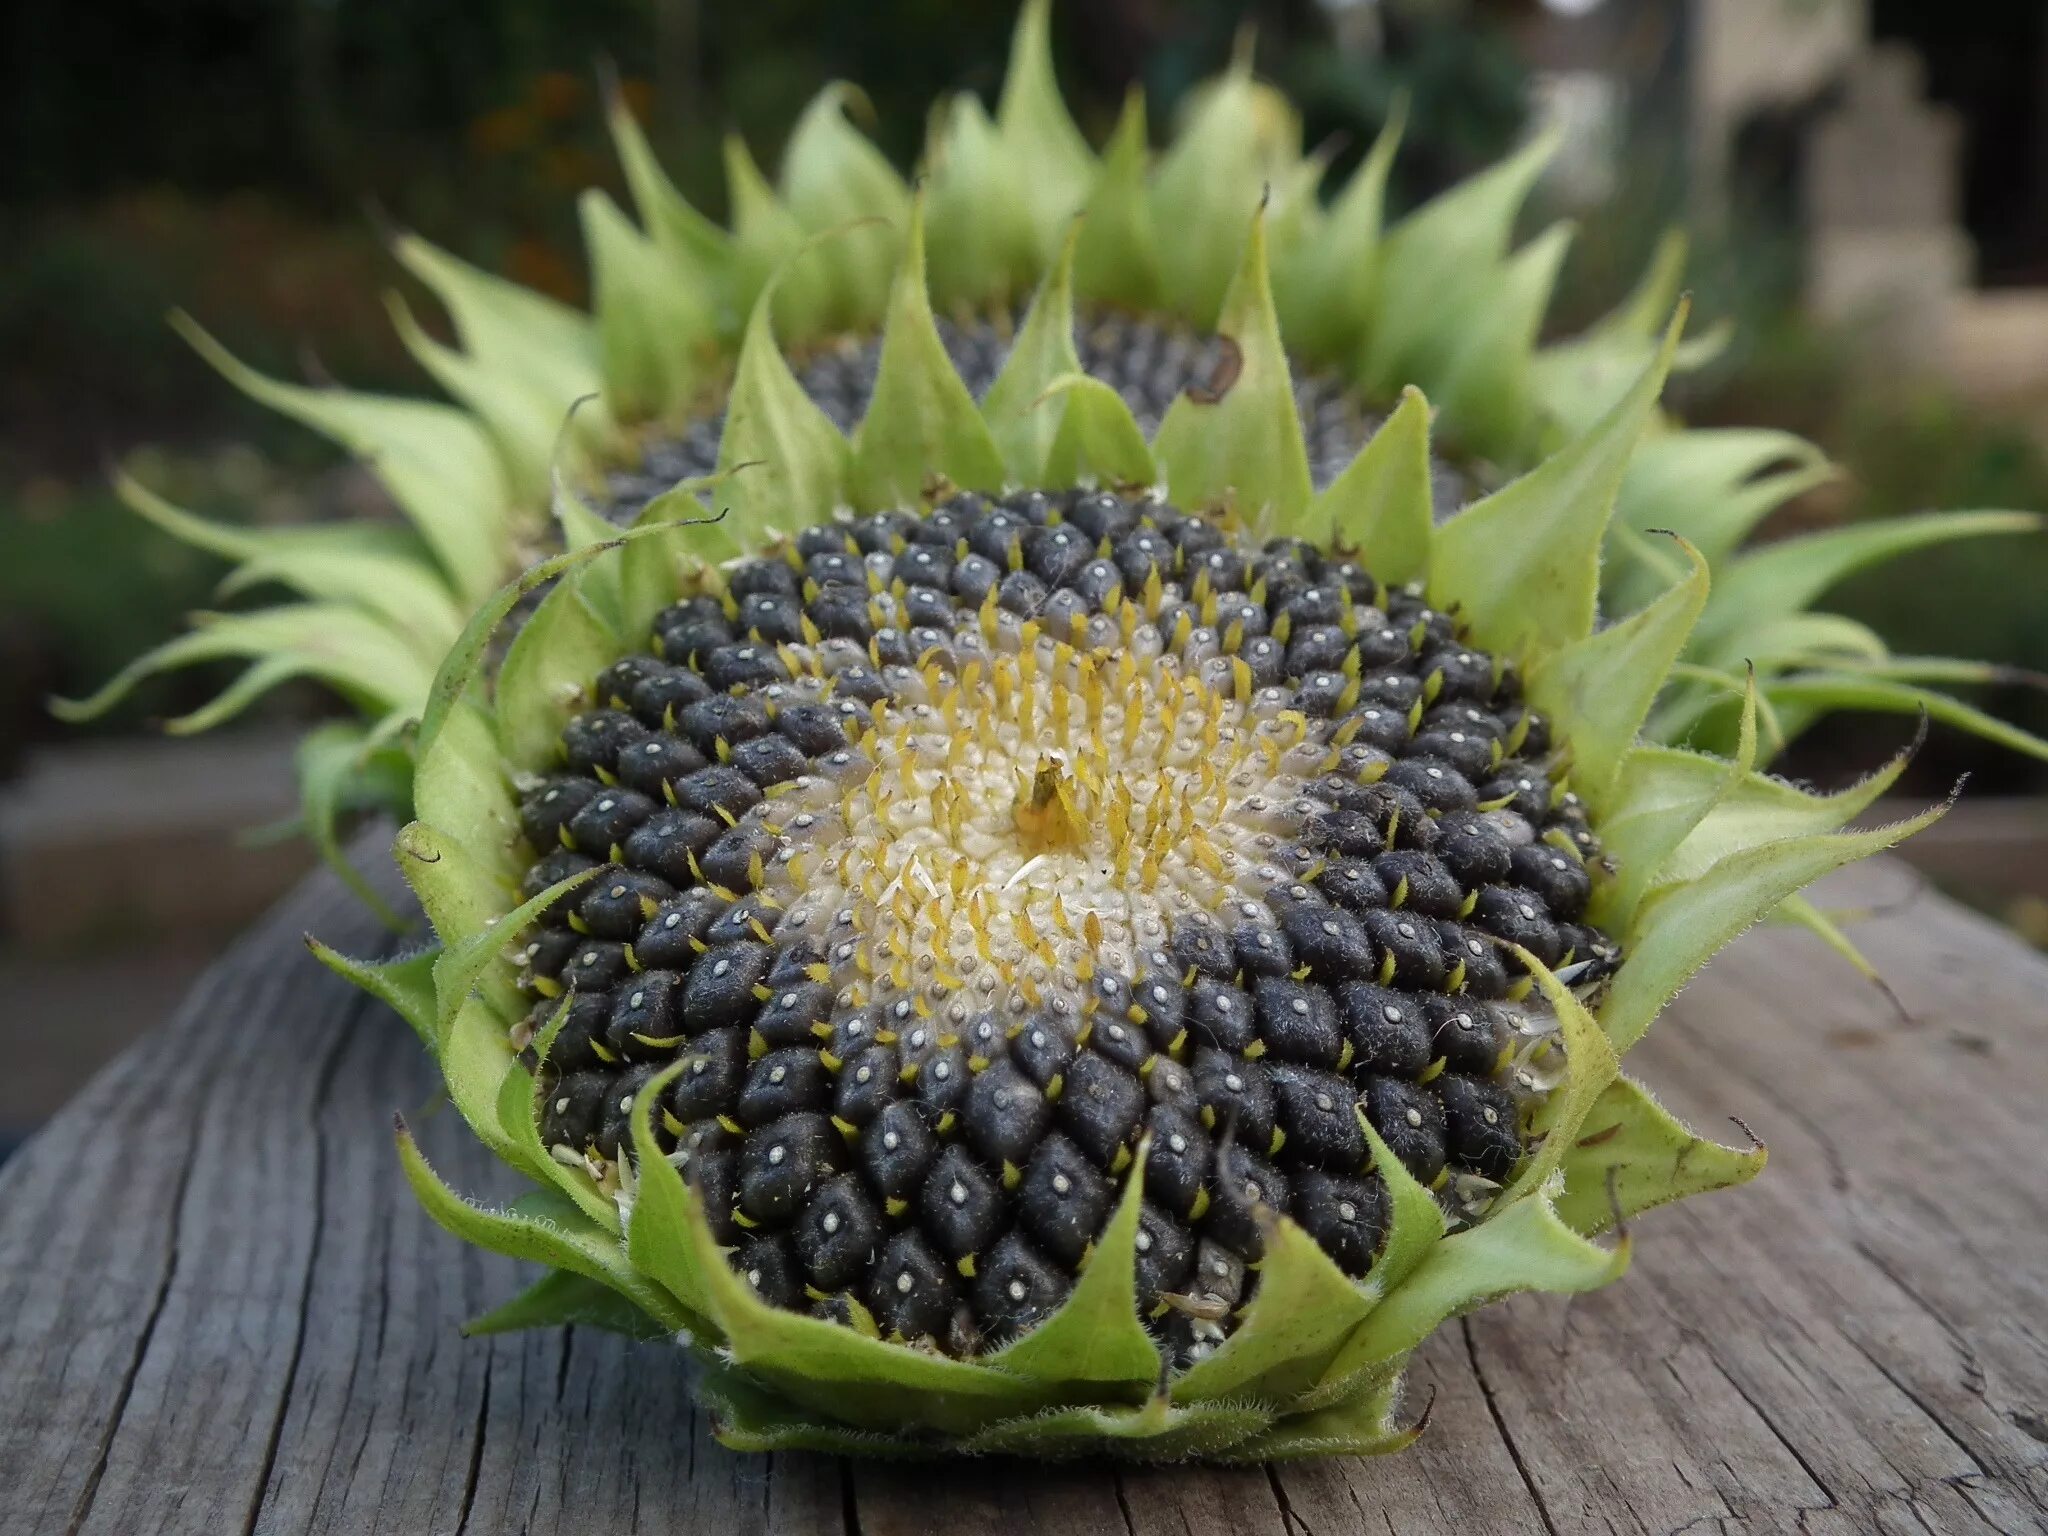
1442, 299
1700, 846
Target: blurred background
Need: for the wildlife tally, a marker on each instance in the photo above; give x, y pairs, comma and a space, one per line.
1866, 180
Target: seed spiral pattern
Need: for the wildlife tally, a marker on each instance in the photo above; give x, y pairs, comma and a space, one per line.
948, 857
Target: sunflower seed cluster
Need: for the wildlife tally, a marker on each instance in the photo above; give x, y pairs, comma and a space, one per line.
940, 865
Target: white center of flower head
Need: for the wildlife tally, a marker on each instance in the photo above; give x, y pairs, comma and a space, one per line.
1024, 821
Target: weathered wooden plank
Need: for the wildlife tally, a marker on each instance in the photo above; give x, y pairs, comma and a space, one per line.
225, 1314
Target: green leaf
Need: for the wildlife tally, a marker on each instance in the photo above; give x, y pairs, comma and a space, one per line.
460, 894
353, 652
464, 962
1417, 1223
1482, 381
656, 325
545, 677
1238, 140
832, 176
463, 666
406, 984
505, 326
664, 1210
1240, 441
1798, 912
1359, 1424
1711, 485
1599, 689
525, 421
327, 762
748, 1417
436, 461
765, 235
1117, 261
1787, 576
1662, 794
580, 1249
650, 569
460, 788
1523, 565
697, 244
982, 247
1304, 1309
1821, 692
1816, 639
1759, 809
1053, 164
1380, 504
1522, 1246
920, 421
484, 1078
1631, 1156
1099, 441
1590, 1065
1095, 1342
560, 1299
1436, 267
388, 572
769, 421
1323, 286
1015, 408
1675, 932
1159, 1431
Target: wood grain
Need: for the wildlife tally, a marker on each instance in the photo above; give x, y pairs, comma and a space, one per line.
224, 1314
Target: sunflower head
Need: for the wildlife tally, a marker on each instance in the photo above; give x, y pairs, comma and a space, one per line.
1015, 933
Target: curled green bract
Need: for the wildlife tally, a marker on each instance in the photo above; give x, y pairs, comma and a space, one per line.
1701, 847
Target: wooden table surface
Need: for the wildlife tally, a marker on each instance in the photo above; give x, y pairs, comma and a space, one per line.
221, 1311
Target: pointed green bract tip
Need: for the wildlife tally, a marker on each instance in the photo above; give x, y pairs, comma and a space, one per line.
1237, 440
921, 422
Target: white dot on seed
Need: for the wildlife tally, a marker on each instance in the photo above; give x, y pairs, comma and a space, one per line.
588, 957
891, 1141
1528, 912
1346, 1211
1017, 1290
958, 1193
830, 1223
1233, 1082
1143, 1242
754, 1278
777, 1074
1492, 1115
776, 1155
1325, 1103
1178, 1142
562, 1105
1415, 1117
905, 1283
1061, 1184
673, 920
636, 999
942, 1071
